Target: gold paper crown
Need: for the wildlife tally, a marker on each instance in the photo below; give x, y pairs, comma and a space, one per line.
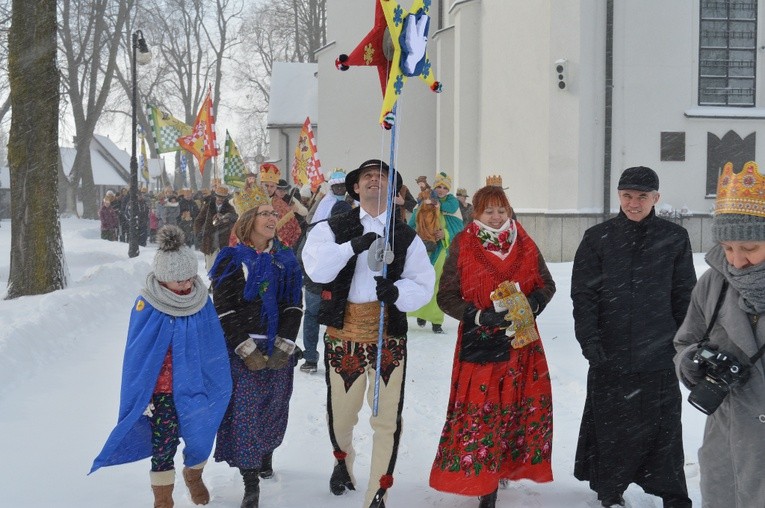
741, 193
269, 173
494, 180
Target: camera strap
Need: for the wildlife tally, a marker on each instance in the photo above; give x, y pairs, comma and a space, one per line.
719, 303
705, 339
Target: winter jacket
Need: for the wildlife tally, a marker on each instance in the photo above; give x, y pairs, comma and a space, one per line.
109, 218
631, 285
732, 455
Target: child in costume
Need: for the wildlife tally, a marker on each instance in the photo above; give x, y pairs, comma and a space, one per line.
176, 378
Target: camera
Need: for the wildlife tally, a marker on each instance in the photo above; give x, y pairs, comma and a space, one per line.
723, 373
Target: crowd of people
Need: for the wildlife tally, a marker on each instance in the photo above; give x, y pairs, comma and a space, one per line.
218, 366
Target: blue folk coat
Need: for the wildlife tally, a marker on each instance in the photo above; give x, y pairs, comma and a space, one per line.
201, 382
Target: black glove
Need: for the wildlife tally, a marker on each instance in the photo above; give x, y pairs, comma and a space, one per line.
387, 292
362, 243
488, 317
691, 372
594, 353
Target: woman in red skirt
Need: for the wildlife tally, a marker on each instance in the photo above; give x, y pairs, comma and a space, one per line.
499, 419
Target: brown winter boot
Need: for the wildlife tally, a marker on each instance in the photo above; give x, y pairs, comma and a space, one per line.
162, 483
163, 496
193, 478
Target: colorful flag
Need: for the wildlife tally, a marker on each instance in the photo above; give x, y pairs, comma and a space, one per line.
233, 165
201, 141
166, 129
306, 166
144, 161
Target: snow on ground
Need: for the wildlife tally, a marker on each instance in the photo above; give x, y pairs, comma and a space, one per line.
60, 363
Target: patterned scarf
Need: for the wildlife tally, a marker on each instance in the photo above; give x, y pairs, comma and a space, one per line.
494, 240
273, 277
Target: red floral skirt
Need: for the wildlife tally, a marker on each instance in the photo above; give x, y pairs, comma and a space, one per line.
498, 424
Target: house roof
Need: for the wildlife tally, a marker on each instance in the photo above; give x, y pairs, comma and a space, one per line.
294, 94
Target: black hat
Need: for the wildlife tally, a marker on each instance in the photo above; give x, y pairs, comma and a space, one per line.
353, 176
639, 178
283, 184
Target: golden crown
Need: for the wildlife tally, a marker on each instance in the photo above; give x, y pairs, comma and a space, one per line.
494, 180
741, 193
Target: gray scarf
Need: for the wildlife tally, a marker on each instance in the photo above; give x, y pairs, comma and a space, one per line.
172, 303
750, 283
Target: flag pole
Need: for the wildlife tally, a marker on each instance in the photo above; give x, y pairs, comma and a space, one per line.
389, 218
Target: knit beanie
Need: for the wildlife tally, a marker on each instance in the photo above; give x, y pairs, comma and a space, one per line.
740, 205
174, 261
337, 177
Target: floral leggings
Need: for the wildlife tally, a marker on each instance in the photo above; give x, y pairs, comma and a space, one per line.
164, 432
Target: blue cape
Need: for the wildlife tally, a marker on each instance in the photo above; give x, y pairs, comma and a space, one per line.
201, 382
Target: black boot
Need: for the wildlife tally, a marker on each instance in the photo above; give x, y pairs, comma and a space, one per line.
488, 501
340, 479
266, 466
251, 488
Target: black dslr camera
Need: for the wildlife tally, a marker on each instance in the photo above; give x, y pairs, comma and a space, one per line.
723, 373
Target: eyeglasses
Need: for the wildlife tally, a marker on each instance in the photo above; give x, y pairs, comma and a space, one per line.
274, 214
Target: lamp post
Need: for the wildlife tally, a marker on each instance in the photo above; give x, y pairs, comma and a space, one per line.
142, 55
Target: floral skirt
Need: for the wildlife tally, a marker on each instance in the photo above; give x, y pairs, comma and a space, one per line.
498, 424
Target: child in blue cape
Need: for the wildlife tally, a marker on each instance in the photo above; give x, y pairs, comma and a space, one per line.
176, 377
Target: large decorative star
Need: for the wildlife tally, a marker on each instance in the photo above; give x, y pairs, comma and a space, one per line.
403, 36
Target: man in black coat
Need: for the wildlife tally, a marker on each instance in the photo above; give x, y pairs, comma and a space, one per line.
631, 285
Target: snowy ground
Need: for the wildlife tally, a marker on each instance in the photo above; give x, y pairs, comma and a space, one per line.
60, 361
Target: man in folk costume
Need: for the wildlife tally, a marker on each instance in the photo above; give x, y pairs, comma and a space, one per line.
336, 256
631, 286
287, 228
437, 221
213, 224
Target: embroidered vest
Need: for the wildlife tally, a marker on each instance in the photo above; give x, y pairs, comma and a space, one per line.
334, 295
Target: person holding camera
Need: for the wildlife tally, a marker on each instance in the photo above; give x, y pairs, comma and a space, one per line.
631, 285
720, 345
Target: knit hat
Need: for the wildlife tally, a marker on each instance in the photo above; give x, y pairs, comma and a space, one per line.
442, 179
639, 178
337, 177
740, 205
269, 173
174, 261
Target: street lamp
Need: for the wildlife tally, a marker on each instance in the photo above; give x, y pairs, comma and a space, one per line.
141, 55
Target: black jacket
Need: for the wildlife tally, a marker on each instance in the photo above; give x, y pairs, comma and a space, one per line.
631, 285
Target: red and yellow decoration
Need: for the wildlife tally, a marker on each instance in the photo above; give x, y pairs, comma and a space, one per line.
306, 166
397, 55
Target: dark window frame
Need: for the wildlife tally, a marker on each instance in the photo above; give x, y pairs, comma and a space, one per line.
718, 49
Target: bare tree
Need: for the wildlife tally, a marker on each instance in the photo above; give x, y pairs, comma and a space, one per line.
90, 35
37, 264
276, 31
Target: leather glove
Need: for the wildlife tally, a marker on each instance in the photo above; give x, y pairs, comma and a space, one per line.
691, 373
251, 355
486, 317
283, 348
362, 243
387, 292
594, 353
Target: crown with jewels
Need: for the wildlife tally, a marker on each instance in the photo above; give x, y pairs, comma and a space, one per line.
269, 173
741, 193
494, 180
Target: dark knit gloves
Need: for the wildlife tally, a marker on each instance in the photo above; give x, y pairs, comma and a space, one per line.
387, 292
363, 242
486, 317
691, 373
594, 353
